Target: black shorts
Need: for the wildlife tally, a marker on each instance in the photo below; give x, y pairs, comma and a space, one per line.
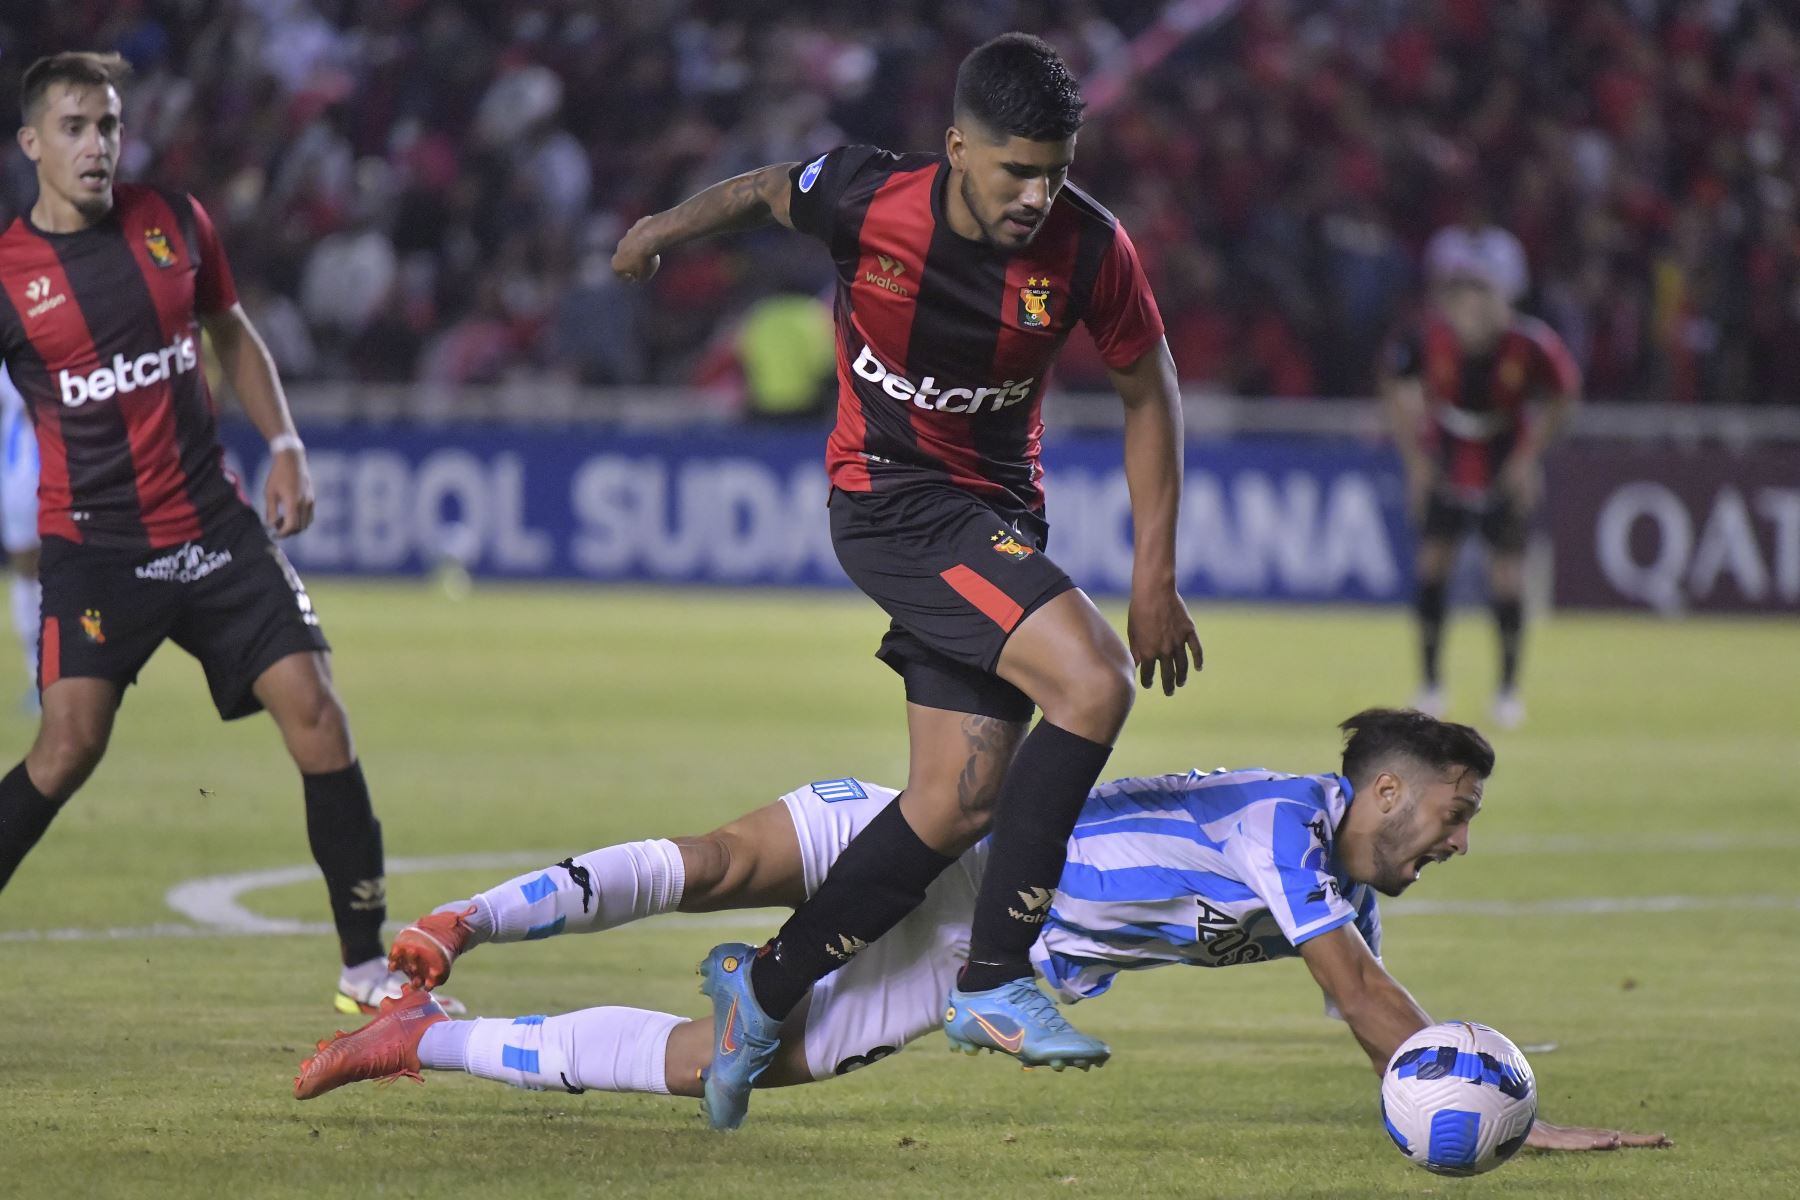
231, 599
1503, 525
957, 575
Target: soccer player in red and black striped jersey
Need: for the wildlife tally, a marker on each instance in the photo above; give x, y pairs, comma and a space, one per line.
959, 276
1459, 391
105, 288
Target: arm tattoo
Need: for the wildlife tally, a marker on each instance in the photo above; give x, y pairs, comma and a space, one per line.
991, 743
734, 205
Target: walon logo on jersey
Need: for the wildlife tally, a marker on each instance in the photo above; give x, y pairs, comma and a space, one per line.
891, 270
130, 374
927, 395
38, 293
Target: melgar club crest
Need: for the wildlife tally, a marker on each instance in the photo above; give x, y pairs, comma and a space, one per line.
157, 243
1034, 303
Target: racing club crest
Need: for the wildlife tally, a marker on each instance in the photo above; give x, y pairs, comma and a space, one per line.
1034, 303
157, 243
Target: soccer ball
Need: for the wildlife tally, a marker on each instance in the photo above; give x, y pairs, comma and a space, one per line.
1458, 1098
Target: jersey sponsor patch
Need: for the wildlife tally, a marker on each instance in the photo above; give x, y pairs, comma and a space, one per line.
832, 791
810, 176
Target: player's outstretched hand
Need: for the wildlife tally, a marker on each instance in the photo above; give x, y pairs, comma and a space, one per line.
633, 261
288, 496
1545, 1136
1160, 631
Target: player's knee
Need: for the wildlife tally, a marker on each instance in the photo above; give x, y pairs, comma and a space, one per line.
317, 730
64, 755
1433, 562
1094, 695
968, 825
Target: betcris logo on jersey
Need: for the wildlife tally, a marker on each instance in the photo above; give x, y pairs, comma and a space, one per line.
928, 395
129, 374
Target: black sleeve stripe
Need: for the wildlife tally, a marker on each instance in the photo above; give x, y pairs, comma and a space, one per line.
182, 205
12, 332
865, 169
1090, 252
1098, 228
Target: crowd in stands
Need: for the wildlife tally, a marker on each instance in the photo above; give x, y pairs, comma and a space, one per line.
431, 189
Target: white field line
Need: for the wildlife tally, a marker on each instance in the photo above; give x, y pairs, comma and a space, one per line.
214, 906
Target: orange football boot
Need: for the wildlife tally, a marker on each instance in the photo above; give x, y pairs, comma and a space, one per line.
386, 1048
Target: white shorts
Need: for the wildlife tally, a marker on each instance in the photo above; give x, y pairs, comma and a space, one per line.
18, 481
894, 990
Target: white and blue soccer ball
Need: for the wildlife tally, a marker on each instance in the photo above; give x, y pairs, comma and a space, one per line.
1458, 1098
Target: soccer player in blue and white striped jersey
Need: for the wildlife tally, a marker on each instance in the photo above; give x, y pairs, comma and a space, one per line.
1205, 869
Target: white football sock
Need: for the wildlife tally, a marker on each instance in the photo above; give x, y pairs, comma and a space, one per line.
605, 1049
600, 890
27, 595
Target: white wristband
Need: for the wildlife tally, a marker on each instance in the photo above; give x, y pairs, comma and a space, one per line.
285, 441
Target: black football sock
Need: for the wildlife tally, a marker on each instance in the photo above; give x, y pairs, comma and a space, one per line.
25, 813
1430, 606
1509, 615
1039, 801
346, 843
879, 878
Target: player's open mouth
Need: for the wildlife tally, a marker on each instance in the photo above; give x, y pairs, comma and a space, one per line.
1020, 226
1425, 860
97, 176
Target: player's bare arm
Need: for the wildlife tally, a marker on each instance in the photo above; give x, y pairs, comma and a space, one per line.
742, 202
288, 496
1519, 473
1158, 627
1403, 403
1382, 1014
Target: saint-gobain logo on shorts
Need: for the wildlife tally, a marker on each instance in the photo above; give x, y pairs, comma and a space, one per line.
810, 176
184, 564
129, 374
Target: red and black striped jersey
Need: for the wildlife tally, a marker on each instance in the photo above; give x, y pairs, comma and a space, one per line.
1477, 403
944, 344
100, 331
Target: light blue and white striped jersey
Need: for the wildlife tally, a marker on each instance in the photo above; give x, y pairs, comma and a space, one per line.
1208, 869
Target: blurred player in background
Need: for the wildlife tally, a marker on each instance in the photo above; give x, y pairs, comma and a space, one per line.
959, 276
18, 525
104, 290
1459, 391
1206, 869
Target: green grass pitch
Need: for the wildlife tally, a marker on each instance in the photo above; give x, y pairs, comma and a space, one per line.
1657, 777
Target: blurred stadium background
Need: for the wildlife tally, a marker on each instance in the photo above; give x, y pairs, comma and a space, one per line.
420, 198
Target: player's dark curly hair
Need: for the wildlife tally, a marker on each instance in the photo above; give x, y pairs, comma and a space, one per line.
76, 68
1017, 84
1377, 734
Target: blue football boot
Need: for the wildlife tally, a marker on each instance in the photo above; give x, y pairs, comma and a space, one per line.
744, 1037
1017, 1018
